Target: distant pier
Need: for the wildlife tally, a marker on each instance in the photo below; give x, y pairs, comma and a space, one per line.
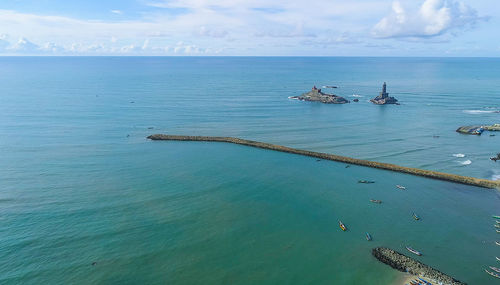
387, 166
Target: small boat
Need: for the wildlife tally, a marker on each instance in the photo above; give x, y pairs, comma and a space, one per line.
368, 237
401, 187
498, 222
494, 269
498, 258
492, 274
376, 201
497, 242
496, 217
342, 226
414, 251
498, 231
366, 181
416, 217
497, 226
426, 282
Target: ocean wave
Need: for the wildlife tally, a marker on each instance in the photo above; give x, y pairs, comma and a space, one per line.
465, 162
356, 95
459, 155
476, 112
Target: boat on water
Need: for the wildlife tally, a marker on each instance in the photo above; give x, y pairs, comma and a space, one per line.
368, 237
492, 274
497, 226
366, 181
497, 242
498, 231
342, 226
416, 217
498, 258
494, 269
496, 217
375, 201
426, 282
401, 187
498, 222
414, 251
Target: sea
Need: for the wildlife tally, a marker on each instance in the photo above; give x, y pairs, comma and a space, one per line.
86, 198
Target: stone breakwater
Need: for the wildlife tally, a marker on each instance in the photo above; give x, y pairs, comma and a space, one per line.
404, 263
387, 166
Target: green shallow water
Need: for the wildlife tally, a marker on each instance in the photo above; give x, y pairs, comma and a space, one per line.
215, 213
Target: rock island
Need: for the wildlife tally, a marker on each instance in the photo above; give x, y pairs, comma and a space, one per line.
384, 98
317, 95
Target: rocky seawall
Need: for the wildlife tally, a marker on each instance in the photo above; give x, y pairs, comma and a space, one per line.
404, 263
387, 166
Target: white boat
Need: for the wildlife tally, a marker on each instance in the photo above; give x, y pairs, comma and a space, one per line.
497, 258
414, 251
494, 269
497, 242
401, 187
492, 274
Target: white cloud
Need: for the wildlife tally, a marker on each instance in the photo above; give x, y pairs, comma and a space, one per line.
51, 48
23, 45
204, 31
118, 12
432, 18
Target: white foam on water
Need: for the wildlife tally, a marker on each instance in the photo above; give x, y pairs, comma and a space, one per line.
476, 112
465, 162
356, 95
459, 155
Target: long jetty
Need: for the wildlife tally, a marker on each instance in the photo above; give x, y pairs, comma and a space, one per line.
485, 183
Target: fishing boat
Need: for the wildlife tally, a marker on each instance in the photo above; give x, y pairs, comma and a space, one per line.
368, 237
342, 226
494, 269
498, 258
366, 181
375, 201
414, 251
496, 217
498, 222
401, 187
416, 217
426, 282
498, 231
497, 226
492, 274
497, 242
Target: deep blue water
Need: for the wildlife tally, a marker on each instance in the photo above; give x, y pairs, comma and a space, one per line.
80, 183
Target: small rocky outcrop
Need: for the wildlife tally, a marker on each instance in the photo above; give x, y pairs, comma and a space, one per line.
384, 98
494, 127
404, 263
470, 130
318, 96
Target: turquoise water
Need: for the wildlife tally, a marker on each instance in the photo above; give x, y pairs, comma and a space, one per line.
79, 183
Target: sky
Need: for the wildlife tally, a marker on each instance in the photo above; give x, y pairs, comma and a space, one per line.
250, 27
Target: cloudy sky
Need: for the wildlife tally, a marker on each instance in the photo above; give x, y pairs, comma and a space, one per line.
250, 27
